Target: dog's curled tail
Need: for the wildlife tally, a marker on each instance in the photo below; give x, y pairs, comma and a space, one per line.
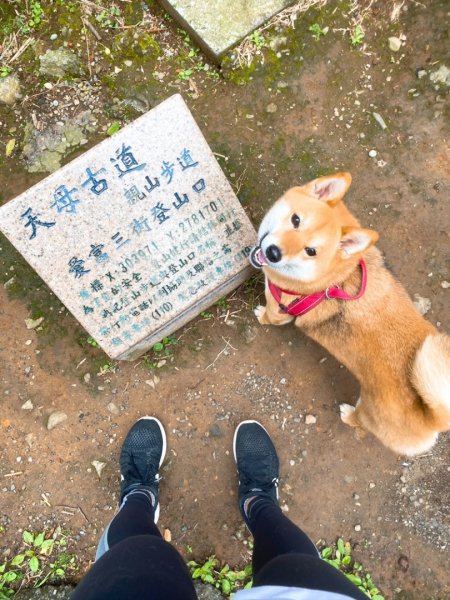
431, 377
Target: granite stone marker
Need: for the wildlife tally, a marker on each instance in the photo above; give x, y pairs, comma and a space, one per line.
219, 25
138, 235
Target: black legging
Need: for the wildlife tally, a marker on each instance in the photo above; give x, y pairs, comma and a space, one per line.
140, 565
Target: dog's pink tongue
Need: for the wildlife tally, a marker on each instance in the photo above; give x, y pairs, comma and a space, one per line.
261, 258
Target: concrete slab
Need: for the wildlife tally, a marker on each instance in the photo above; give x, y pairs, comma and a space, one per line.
217, 26
139, 234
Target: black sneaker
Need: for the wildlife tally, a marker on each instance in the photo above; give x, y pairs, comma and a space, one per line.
142, 453
257, 464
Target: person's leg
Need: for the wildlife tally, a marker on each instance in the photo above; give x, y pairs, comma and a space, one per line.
306, 571
283, 554
274, 534
133, 561
135, 517
258, 469
142, 567
141, 456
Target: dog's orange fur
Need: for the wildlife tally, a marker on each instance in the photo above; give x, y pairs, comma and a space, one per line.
400, 360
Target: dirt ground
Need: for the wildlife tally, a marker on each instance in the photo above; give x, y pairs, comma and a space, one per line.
304, 113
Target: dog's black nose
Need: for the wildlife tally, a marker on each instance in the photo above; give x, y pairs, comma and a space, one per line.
273, 253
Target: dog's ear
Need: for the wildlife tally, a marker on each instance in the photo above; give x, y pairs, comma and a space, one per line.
330, 189
355, 240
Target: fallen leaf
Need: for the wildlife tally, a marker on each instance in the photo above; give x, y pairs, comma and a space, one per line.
10, 147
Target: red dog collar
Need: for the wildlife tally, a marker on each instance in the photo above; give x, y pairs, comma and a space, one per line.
303, 304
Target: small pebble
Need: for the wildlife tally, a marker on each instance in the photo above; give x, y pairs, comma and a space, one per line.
373, 153
394, 44
271, 108
54, 37
55, 419
357, 527
112, 408
310, 419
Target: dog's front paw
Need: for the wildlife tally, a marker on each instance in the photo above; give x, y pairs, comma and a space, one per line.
260, 312
348, 414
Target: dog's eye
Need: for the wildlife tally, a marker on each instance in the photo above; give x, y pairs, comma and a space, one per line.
310, 251
295, 220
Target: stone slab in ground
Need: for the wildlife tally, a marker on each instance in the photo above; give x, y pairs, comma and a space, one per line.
138, 235
50, 592
217, 26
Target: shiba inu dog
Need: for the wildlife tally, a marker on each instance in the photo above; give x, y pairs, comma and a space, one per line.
323, 270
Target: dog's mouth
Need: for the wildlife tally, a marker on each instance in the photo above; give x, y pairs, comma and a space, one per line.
257, 258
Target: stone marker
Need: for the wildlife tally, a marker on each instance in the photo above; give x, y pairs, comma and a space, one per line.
219, 25
138, 235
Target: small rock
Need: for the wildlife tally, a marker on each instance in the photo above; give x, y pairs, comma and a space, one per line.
206, 591
28, 405
112, 408
445, 285
58, 63
271, 108
372, 485
394, 44
98, 466
423, 305
167, 535
33, 323
357, 527
87, 377
9, 283
56, 418
54, 37
9, 90
403, 563
379, 119
441, 75
43, 150
29, 439
310, 419
373, 153
215, 431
